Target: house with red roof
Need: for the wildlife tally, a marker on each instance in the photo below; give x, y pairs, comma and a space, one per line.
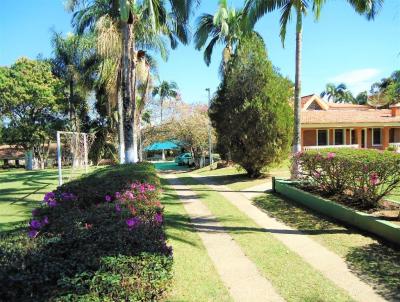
325, 124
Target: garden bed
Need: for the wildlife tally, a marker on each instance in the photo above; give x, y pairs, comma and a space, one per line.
99, 238
364, 221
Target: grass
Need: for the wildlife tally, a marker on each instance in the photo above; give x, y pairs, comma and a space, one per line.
21, 191
236, 178
375, 262
292, 277
195, 278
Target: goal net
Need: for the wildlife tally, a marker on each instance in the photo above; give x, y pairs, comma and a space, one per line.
72, 154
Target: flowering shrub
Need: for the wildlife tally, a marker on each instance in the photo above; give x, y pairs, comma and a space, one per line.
362, 177
110, 249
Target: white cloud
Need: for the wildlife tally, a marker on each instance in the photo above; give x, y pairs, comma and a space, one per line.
357, 80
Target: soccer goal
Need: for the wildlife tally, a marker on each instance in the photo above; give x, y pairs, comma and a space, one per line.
72, 154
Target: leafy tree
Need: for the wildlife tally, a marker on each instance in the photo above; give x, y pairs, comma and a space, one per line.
189, 126
386, 91
165, 91
362, 98
29, 99
251, 110
338, 94
255, 9
226, 26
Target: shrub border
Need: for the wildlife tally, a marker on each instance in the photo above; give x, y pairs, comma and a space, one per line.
360, 220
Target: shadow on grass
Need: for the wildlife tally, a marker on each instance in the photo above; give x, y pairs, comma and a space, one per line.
377, 263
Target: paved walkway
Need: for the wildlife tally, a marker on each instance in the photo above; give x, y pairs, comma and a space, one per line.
328, 263
239, 274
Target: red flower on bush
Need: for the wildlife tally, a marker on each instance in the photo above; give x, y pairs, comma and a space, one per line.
331, 155
374, 179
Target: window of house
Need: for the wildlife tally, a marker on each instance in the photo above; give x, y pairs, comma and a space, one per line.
339, 136
322, 137
391, 135
376, 136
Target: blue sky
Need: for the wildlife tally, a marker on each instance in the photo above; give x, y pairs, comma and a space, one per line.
341, 47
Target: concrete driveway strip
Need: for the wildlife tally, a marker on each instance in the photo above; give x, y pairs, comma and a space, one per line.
239, 274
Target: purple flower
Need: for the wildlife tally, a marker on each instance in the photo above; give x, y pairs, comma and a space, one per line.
52, 203
45, 220
49, 196
132, 222
35, 212
108, 198
33, 233
158, 218
117, 195
117, 207
35, 224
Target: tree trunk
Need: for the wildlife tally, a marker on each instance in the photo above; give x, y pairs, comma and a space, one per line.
121, 139
128, 68
297, 95
161, 110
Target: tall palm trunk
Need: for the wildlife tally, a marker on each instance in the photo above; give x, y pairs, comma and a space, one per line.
161, 109
297, 94
72, 111
121, 139
128, 67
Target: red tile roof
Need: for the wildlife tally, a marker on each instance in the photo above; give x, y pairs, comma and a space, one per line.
345, 114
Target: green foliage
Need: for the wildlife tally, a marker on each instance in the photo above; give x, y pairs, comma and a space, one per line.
360, 177
87, 252
29, 98
251, 112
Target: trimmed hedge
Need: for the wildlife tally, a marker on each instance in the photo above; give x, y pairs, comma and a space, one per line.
363, 177
86, 247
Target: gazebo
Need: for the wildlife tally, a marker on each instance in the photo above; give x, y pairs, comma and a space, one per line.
162, 146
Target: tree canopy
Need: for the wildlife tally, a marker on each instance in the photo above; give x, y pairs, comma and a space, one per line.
251, 111
30, 100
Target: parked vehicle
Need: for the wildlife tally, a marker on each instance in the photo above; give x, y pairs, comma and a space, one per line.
184, 159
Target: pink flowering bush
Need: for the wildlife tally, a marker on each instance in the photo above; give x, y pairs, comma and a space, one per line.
359, 177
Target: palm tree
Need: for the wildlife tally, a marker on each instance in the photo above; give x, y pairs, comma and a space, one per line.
172, 22
165, 91
226, 27
75, 63
338, 94
255, 9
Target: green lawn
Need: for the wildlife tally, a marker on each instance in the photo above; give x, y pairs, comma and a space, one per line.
21, 191
375, 262
292, 277
195, 278
235, 177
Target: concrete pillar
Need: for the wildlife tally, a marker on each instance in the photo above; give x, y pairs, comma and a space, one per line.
385, 138
359, 137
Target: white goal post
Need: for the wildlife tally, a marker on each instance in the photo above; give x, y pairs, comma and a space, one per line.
75, 146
